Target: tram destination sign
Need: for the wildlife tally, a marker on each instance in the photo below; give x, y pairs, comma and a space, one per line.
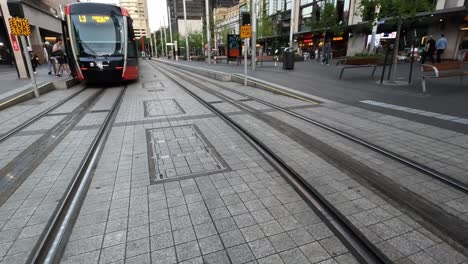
19, 26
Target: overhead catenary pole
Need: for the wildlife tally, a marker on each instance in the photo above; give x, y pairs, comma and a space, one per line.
291, 24
208, 33
170, 31
374, 30
254, 34
165, 37
186, 31
162, 42
154, 38
29, 65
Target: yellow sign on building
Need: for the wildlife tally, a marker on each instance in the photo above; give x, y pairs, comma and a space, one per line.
246, 32
19, 26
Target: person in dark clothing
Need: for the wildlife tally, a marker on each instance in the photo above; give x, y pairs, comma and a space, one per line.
326, 52
429, 50
49, 57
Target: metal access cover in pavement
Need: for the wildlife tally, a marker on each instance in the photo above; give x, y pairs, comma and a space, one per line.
162, 107
181, 151
147, 85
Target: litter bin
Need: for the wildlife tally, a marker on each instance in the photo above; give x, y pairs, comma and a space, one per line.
288, 59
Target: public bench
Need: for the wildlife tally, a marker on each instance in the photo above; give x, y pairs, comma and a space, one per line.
353, 63
443, 69
220, 58
261, 59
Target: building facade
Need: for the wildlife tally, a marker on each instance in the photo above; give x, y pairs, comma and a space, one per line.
195, 13
45, 19
138, 10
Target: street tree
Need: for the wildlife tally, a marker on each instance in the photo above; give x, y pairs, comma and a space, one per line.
396, 12
327, 20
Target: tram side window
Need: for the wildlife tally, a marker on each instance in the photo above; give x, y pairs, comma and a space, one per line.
131, 45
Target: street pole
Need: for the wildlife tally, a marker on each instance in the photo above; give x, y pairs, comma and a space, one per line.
170, 31
162, 42
165, 36
374, 30
186, 31
208, 33
291, 24
154, 38
254, 34
246, 48
30, 68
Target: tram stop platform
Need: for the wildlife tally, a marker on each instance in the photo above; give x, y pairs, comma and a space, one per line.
176, 184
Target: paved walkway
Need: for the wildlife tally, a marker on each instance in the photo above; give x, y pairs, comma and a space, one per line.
10, 84
444, 96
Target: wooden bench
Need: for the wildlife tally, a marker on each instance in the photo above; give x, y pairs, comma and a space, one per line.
352, 63
220, 58
261, 59
443, 69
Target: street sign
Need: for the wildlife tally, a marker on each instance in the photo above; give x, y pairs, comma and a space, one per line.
14, 42
246, 31
19, 26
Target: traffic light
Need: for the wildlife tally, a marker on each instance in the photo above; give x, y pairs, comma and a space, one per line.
245, 18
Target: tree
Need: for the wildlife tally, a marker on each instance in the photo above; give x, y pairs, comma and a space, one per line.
394, 11
195, 40
265, 27
327, 21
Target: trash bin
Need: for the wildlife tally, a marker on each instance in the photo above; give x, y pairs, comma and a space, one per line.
288, 60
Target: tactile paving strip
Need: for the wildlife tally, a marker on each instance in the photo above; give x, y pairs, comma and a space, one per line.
181, 151
162, 108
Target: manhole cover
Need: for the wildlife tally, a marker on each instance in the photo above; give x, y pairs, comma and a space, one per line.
181, 151
147, 85
162, 107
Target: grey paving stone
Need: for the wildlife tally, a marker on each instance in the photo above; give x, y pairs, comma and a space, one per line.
177, 211
210, 244
445, 254
160, 227
4, 248
262, 215
225, 224
300, 236
80, 246
231, 199
219, 213
307, 218
87, 231
252, 233
23, 245
289, 223
273, 259
137, 247
255, 205
200, 218
184, 235
237, 209
89, 257
138, 232
282, 242
158, 215
294, 256
197, 207
116, 225
420, 240
334, 246
403, 245
164, 256
140, 259
346, 258
261, 248
180, 222
232, 238
205, 230
112, 254
219, 257
391, 252
197, 260
240, 254
315, 252
161, 241
187, 251
279, 211
271, 228
244, 220
319, 231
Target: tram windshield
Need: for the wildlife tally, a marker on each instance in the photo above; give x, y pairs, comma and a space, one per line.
98, 35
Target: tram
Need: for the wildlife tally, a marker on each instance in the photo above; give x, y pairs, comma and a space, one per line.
100, 42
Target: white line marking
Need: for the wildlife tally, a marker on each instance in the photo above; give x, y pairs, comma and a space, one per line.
418, 112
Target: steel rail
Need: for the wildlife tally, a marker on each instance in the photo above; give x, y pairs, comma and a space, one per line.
50, 248
359, 246
444, 178
36, 117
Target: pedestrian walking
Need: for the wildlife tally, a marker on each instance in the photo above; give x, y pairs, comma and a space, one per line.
441, 45
59, 54
32, 58
49, 58
326, 52
429, 50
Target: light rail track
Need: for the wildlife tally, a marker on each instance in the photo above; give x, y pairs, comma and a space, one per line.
358, 245
53, 240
